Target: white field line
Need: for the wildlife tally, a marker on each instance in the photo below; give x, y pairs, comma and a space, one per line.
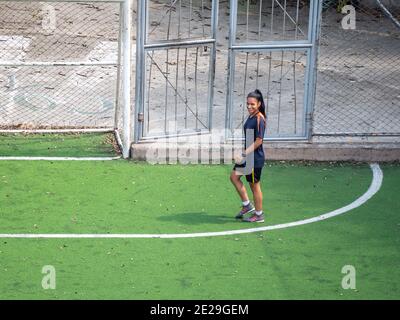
372, 190
60, 158
33, 131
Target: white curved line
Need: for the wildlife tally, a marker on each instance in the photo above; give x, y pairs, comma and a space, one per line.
372, 190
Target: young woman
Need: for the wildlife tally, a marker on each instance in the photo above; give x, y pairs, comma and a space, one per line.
251, 161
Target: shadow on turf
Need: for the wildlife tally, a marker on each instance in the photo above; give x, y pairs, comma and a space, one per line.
197, 218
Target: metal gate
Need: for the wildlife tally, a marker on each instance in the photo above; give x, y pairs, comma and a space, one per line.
272, 47
175, 67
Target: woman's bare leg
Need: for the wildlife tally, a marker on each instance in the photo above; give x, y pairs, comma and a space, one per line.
257, 194
239, 186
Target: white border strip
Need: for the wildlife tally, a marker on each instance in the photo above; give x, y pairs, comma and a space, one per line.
60, 158
33, 131
372, 190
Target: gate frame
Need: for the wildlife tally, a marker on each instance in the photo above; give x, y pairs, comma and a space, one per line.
141, 49
310, 46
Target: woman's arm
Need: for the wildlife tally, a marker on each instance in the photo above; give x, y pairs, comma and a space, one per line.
253, 146
240, 157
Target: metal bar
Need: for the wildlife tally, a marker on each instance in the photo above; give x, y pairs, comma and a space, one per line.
185, 72
126, 76
247, 20
147, 23
56, 64
181, 44
276, 138
195, 87
167, 70
295, 92
190, 16
280, 93
176, 90
140, 61
244, 85
388, 14
272, 17
284, 19
306, 119
270, 62
296, 32
202, 17
231, 66
294, 69
273, 46
179, 18
181, 133
117, 93
310, 21
118, 139
316, 28
268, 84
259, 39
148, 94
67, 33
357, 134
185, 77
281, 78
166, 91
213, 57
309, 90
257, 68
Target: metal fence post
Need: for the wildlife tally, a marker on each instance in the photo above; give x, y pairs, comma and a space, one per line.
140, 62
231, 68
118, 88
126, 75
214, 26
313, 58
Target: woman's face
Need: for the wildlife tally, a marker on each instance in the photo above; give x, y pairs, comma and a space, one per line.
252, 105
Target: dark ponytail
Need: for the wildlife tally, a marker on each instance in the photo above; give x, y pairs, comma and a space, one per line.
259, 97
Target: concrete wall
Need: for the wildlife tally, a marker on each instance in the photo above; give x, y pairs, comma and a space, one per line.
366, 152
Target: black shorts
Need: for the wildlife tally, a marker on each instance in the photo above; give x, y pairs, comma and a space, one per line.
253, 177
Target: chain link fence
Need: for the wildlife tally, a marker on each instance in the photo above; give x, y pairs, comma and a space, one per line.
58, 64
358, 77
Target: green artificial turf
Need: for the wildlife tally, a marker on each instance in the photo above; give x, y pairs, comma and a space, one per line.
123, 197
57, 145
303, 262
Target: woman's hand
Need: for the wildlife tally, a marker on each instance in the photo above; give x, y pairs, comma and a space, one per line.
240, 158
